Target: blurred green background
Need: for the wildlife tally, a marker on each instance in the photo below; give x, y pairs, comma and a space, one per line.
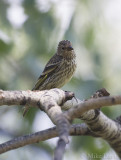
29, 34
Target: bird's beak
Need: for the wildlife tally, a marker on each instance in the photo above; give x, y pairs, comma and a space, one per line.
69, 48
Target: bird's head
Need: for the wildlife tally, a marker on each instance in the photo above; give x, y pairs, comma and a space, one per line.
65, 49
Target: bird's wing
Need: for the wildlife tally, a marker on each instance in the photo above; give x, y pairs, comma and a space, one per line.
49, 69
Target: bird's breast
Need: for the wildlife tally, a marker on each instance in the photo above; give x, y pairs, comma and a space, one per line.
67, 70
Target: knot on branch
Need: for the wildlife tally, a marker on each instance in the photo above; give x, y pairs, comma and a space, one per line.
100, 93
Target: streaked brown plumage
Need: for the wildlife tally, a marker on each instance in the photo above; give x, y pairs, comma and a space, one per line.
59, 69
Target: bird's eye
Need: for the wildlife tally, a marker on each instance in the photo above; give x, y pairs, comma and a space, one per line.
63, 48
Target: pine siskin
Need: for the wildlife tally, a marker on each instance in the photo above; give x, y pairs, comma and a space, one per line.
59, 69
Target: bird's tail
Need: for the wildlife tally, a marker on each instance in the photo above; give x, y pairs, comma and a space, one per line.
25, 110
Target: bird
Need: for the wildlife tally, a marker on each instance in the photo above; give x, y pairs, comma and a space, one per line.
59, 69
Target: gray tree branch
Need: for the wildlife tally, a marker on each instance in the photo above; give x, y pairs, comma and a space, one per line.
54, 100
48, 101
97, 122
75, 130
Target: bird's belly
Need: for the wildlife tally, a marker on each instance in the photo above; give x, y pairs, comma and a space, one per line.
65, 75
61, 77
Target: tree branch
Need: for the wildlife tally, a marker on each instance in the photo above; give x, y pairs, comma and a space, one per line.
51, 101
97, 122
78, 109
48, 101
21, 141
